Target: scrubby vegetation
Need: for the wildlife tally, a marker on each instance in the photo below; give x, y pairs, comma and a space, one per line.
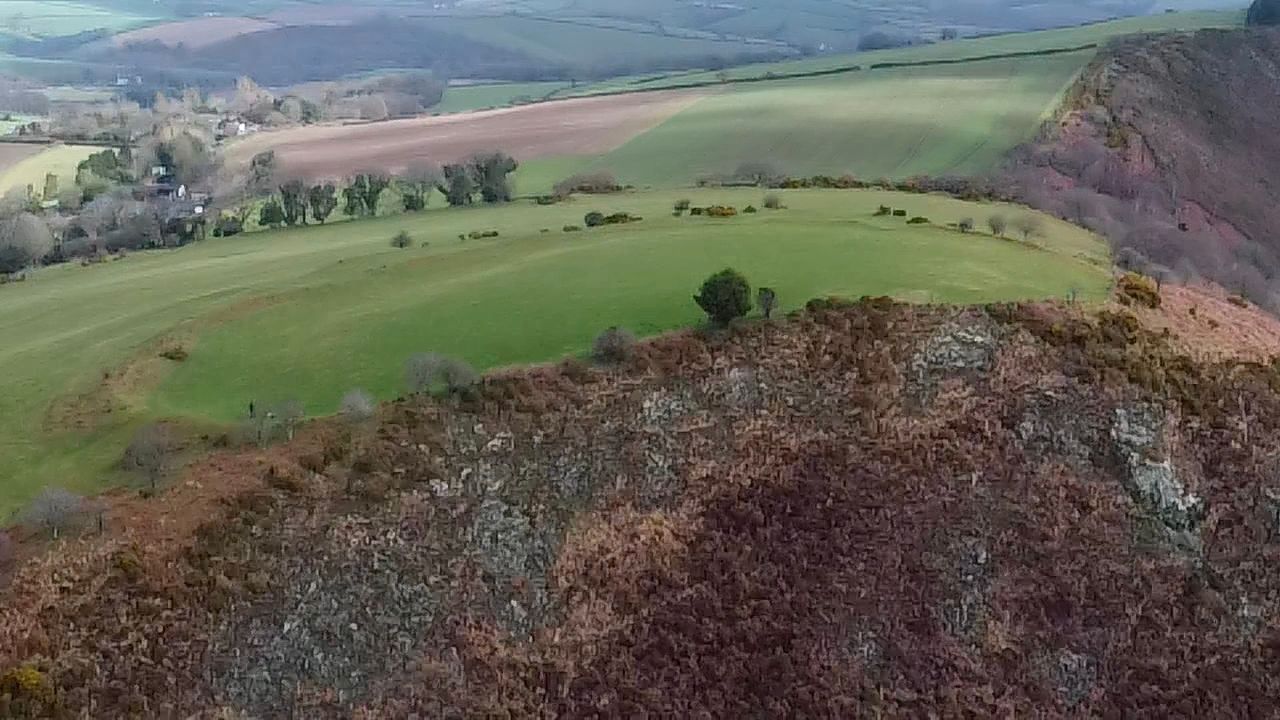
1136, 289
614, 345
764, 459
725, 296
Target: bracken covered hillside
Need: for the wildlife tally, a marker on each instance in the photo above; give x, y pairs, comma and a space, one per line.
869, 510
1171, 147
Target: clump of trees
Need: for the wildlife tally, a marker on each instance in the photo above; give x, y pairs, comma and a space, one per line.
724, 297
25, 240
595, 183
426, 372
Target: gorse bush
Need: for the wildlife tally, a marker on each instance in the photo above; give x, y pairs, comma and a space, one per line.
725, 296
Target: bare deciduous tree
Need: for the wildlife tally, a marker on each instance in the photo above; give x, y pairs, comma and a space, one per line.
55, 510
357, 406
1028, 226
151, 452
998, 224
613, 345
289, 415
426, 371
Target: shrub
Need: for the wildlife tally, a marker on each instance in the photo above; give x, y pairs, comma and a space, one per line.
965, 225
402, 240
572, 228
772, 201
721, 211
271, 215
899, 213
725, 296
695, 211
681, 205
176, 353
593, 219
918, 220
750, 209
427, 371
1135, 289
997, 224
613, 345
1238, 301
882, 210
587, 183
767, 300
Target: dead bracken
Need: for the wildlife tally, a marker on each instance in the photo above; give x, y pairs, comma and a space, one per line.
763, 521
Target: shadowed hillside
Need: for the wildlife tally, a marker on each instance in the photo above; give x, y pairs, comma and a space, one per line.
861, 511
1171, 147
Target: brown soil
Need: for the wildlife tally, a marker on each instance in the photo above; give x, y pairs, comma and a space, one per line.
13, 153
874, 510
585, 126
193, 34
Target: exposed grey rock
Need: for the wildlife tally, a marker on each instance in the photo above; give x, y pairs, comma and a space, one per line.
954, 350
1074, 676
515, 554
1137, 432
1058, 424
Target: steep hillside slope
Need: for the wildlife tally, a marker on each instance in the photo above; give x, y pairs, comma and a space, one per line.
1171, 146
863, 511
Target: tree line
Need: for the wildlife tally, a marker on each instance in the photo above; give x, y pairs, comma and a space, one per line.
291, 201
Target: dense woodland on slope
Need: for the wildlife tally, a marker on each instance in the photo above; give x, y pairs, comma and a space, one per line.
1169, 148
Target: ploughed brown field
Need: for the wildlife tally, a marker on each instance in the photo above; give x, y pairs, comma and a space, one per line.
579, 126
197, 33
13, 153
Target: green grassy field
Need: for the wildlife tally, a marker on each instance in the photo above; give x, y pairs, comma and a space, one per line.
461, 98
51, 18
314, 312
589, 47
60, 160
936, 120
1096, 33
